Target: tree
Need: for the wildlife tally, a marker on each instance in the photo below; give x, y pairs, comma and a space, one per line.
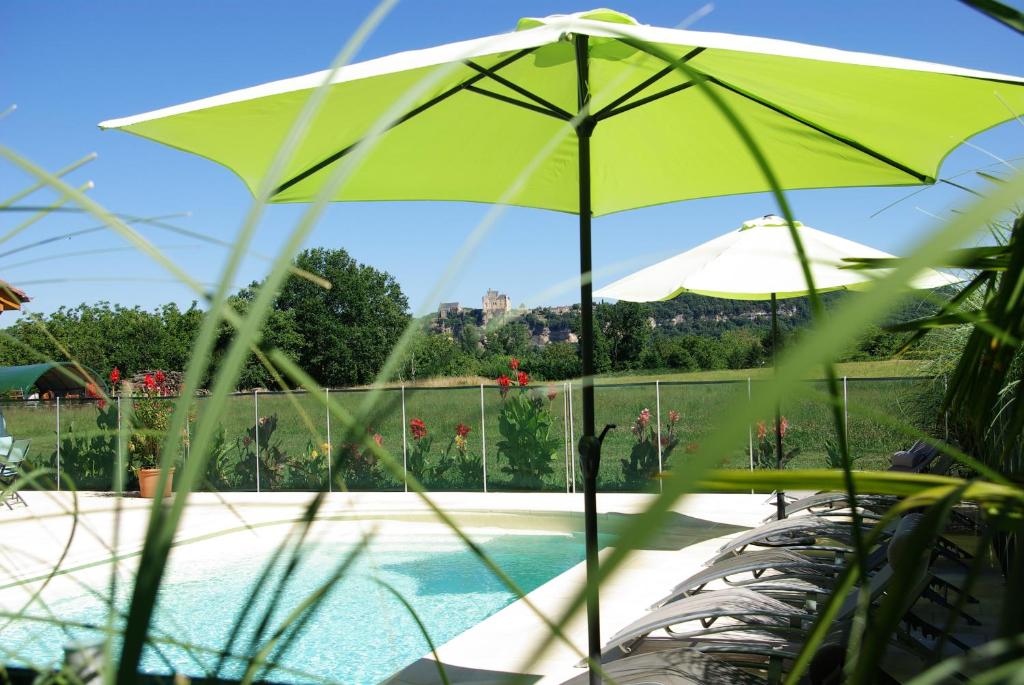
511, 338
469, 338
557, 361
102, 336
438, 355
628, 330
279, 332
348, 330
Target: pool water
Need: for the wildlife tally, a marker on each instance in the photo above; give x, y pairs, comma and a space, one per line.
360, 633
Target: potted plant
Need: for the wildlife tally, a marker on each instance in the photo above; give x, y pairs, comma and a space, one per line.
151, 410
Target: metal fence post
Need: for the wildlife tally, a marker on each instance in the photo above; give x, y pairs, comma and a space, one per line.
846, 415
483, 436
750, 429
256, 426
119, 475
565, 435
405, 449
572, 439
330, 446
657, 401
58, 443
945, 414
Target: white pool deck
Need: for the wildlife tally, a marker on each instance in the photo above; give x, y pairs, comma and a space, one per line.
35, 538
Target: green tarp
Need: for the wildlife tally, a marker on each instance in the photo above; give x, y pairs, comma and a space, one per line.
59, 377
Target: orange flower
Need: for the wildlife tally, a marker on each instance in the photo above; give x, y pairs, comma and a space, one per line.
513, 364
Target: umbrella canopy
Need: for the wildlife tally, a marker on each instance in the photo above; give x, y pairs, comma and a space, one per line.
596, 124
824, 117
755, 261
758, 261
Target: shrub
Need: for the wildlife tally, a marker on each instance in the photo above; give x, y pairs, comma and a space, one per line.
525, 427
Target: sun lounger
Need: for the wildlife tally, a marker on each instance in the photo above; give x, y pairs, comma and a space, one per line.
809, 533
762, 618
672, 667
10, 469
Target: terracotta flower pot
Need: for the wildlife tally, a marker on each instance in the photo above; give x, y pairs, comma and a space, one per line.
148, 479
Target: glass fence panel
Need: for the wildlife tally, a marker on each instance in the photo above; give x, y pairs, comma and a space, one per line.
525, 438
293, 450
34, 420
355, 466
691, 412
232, 455
88, 443
881, 411
629, 453
442, 437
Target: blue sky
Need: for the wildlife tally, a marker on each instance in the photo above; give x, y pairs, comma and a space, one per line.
68, 66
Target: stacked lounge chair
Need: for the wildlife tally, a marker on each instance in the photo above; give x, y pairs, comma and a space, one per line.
753, 605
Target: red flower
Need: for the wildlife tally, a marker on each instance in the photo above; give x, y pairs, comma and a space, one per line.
418, 428
149, 382
762, 431
522, 379
115, 375
91, 390
101, 403
513, 364
462, 429
783, 427
552, 394
504, 382
673, 417
379, 439
160, 377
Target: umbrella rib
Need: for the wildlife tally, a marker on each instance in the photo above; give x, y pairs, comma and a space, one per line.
606, 111
490, 73
401, 120
518, 103
923, 178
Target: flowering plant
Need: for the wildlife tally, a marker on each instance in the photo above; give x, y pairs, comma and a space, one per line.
525, 426
642, 464
420, 449
151, 411
358, 466
764, 446
459, 467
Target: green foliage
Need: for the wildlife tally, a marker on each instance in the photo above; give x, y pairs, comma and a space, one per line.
91, 452
642, 464
279, 332
358, 466
459, 467
438, 355
834, 455
512, 338
104, 336
149, 414
419, 448
627, 328
766, 449
347, 331
525, 425
556, 361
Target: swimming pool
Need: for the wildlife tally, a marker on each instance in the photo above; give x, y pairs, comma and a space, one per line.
359, 634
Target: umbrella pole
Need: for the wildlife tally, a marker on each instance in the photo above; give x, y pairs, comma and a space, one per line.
589, 445
780, 496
